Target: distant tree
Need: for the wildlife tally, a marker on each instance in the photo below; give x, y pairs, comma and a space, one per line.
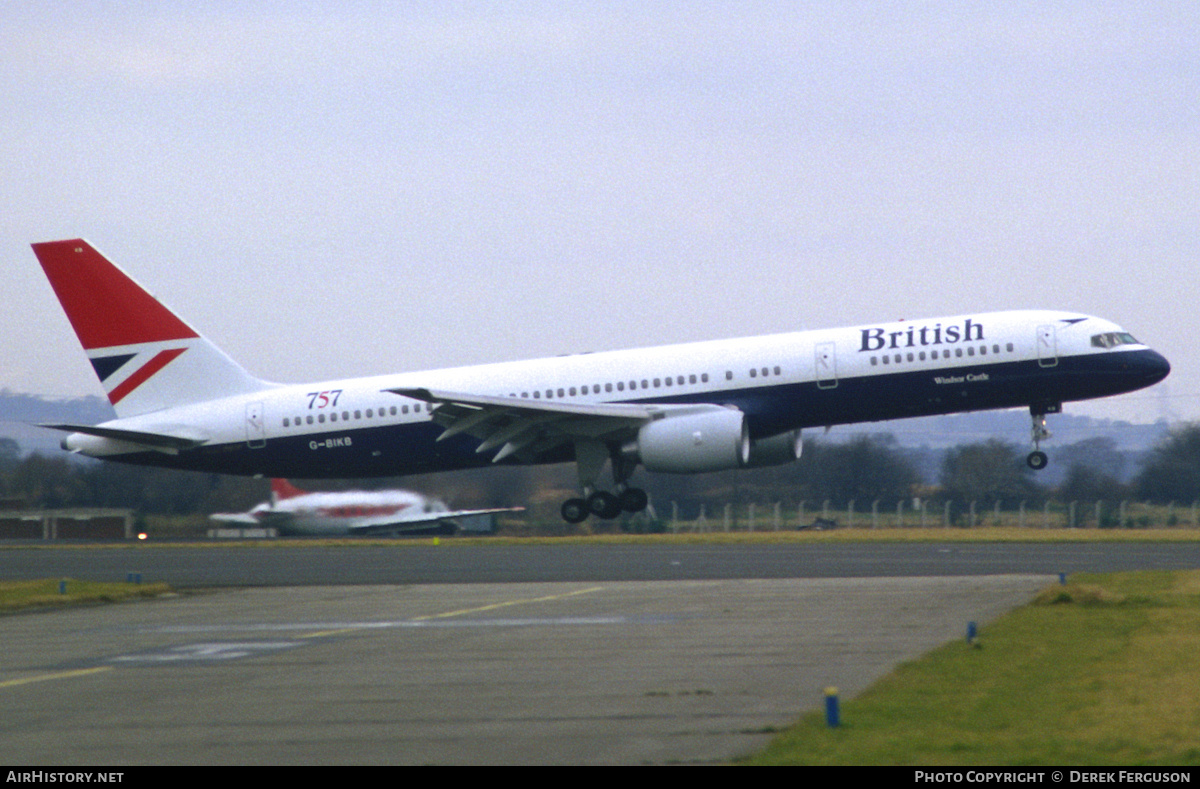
986, 473
1088, 483
10, 458
1099, 454
1172, 471
863, 469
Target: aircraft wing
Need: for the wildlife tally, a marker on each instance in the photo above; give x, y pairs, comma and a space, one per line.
388, 525
237, 518
527, 427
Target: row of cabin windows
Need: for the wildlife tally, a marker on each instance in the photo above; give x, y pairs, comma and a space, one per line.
919, 356
619, 386
572, 391
370, 413
754, 372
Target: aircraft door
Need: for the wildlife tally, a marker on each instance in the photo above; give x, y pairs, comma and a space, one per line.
256, 426
826, 365
1047, 345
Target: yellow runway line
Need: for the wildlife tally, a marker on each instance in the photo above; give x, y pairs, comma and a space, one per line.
57, 675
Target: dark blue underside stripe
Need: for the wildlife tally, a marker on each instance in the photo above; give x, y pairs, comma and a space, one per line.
392, 450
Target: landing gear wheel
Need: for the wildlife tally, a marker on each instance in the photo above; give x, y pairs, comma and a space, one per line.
574, 510
633, 499
1037, 458
604, 504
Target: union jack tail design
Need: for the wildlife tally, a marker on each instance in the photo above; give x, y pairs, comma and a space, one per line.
145, 356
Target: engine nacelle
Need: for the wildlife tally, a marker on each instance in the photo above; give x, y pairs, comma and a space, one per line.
776, 450
712, 440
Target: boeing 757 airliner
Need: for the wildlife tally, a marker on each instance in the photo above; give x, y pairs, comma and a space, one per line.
696, 407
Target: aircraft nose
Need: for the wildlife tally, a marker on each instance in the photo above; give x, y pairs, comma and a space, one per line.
1154, 366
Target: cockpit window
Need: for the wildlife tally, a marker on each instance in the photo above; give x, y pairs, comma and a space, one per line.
1113, 339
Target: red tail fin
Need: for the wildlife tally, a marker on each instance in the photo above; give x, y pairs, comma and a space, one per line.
282, 489
105, 306
146, 357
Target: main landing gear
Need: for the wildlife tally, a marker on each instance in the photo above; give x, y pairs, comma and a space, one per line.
605, 505
1037, 459
590, 457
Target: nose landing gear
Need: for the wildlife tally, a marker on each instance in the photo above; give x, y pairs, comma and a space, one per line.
1037, 459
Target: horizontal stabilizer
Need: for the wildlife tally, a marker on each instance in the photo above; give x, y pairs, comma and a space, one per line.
156, 440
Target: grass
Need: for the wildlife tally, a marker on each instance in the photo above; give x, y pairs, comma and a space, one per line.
18, 595
1101, 671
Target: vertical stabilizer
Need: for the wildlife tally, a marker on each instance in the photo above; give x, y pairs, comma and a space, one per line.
281, 489
145, 356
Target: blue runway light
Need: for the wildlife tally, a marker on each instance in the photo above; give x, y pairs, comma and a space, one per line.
832, 716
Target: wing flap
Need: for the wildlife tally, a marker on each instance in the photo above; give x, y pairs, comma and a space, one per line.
513, 426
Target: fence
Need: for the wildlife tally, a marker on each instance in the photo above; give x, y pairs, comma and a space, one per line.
918, 513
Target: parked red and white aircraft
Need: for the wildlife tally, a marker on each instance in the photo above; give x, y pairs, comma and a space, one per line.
292, 511
706, 406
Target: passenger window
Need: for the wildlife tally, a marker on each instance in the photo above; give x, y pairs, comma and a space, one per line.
309, 420
729, 375
645, 384
285, 421
754, 373
704, 377
691, 379
561, 393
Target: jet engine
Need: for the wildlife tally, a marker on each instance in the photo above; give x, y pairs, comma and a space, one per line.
689, 443
776, 450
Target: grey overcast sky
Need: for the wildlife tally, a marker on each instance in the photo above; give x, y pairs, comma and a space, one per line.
351, 188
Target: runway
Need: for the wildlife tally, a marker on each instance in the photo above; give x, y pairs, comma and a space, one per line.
405, 562
565, 673
489, 654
